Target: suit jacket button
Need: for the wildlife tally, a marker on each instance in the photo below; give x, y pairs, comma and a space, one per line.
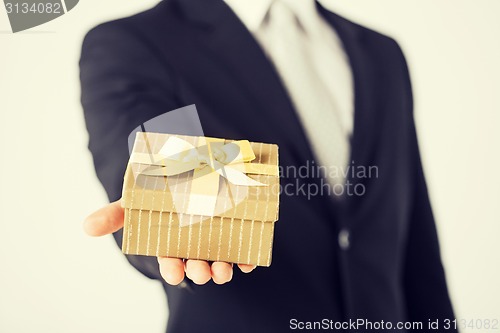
344, 241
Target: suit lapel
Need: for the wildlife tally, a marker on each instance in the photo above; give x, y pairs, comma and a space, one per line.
363, 140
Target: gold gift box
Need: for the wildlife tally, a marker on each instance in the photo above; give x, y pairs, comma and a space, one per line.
159, 220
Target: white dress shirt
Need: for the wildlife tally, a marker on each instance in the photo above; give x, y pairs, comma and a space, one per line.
322, 50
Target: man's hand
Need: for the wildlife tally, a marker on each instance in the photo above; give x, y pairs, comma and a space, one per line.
110, 219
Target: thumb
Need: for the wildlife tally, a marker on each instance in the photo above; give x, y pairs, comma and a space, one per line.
105, 220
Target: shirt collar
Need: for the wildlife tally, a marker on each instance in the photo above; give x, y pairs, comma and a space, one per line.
251, 13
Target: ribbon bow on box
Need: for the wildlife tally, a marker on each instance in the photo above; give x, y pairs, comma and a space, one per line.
210, 160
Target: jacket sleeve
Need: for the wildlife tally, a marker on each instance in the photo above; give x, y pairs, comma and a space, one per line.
123, 84
425, 286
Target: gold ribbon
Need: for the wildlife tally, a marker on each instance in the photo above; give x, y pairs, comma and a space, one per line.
210, 160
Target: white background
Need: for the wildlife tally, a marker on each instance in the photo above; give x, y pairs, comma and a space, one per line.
55, 279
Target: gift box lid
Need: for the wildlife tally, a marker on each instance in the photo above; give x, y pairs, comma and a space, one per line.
203, 176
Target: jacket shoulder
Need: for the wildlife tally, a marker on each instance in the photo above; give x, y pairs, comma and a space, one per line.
380, 55
133, 24
367, 36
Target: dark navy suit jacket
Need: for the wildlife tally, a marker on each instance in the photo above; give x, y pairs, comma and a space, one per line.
185, 52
